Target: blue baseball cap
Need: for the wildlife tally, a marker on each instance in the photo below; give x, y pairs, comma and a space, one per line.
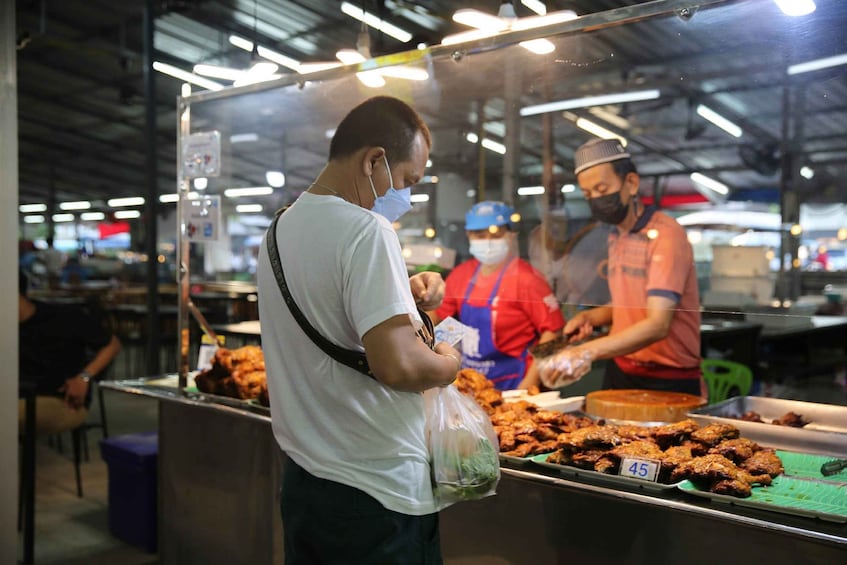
489, 213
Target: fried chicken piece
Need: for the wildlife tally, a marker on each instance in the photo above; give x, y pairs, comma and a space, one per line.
790, 419
590, 437
674, 434
521, 450
710, 470
490, 397
672, 458
587, 459
751, 416
560, 457
470, 382
764, 461
533, 390
506, 436
736, 450
733, 487
697, 448
713, 434
642, 449
607, 465
635, 433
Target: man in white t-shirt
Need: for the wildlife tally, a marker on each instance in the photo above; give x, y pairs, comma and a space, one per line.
356, 485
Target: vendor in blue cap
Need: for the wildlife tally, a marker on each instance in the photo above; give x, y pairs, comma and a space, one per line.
508, 305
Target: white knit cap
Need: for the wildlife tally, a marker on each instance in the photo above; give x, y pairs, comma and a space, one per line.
597, 152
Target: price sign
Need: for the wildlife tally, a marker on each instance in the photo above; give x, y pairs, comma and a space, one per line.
644, 469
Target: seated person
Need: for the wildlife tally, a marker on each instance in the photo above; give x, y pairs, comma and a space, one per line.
61, 348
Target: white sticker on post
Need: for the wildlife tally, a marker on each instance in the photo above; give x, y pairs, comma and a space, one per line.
201, 154
643, 469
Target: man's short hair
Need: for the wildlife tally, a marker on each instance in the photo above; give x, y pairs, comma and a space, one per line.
381, 121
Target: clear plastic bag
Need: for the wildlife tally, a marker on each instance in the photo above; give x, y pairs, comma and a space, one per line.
563, 368
463, 446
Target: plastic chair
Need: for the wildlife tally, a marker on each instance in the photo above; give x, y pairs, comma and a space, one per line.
723, 376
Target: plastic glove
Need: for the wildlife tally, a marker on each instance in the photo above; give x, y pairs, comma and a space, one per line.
565, 367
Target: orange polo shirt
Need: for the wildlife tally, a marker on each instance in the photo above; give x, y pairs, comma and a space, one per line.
655, 259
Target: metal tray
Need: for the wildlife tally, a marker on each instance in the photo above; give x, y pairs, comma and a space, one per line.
826, 434
247, 405
789, 495
594, 476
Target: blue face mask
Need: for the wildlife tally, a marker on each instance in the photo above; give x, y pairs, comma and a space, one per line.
394, 203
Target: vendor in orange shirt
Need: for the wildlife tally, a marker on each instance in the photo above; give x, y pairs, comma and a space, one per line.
654, 313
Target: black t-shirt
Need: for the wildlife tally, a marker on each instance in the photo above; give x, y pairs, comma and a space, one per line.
56, 343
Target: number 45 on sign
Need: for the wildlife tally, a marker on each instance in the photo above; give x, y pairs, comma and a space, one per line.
644, 469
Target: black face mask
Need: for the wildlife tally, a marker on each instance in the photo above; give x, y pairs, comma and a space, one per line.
608, 208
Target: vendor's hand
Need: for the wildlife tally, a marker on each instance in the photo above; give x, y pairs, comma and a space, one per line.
428, 289
75, 390
565, 367
578, 328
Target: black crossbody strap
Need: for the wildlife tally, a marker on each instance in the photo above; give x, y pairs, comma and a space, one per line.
354, 359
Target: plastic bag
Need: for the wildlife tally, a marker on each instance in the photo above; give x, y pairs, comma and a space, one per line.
463, 446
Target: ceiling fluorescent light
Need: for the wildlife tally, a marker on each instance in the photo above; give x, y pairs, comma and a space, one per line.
606, 116
420, 198
818, 64
173, 197
538, 46
92, 216
726, 125
371, 79
200, 183
389, 29
492, 145
278, 58
532, 22
63, 217
33, 219
243, 137
710, 183
248, 208
599, 131
601, 100
480, 20
350, 57
472, 137
131, 201
78, 205
241, 43
275, 178
807, 172
127, 214
796, 7
306, 68
536, 6
175, 72
32, 208
569, 188
248, 191
530, 190
215, 71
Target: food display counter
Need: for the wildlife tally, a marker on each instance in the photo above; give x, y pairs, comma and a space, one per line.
219, 471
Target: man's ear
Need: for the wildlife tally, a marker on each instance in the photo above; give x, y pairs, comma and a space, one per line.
632, 181
371, 157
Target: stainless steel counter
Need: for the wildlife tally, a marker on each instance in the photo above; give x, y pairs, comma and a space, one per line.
219, 471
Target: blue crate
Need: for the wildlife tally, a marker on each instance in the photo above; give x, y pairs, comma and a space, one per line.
131, 460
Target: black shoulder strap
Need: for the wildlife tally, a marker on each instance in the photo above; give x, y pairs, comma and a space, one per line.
354, 359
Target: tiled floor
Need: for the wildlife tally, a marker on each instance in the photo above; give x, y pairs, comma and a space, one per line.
74, 531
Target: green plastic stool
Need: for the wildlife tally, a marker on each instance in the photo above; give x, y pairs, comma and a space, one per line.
722, 376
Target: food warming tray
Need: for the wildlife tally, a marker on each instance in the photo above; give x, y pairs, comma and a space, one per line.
825, 434
617, 480
801, 491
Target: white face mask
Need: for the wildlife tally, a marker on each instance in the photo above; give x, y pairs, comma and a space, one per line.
489, 251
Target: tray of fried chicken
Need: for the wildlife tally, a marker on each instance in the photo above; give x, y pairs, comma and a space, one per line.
235, 375
794, 425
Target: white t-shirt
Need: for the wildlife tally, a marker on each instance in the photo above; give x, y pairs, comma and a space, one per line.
344, 268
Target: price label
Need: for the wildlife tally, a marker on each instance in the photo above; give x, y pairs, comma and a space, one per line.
644, 469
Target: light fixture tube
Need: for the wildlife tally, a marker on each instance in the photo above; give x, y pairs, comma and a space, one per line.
492, 145
175, 72
92, 216
599, 130
215, 71
278, 58
248, 191
406, 72
569, 188
468, 36
726, 125
358, 13
536, 6
350, 56
710, 183
78, 205
173, 197
33, 219
32, 208
275, 178
371, 79
600, 100
532, 22
538, 46
818, 64
63, 217
796, 7
530, 190
127, 214
420, 198
241, 43
248, 208
480, 20
130, 201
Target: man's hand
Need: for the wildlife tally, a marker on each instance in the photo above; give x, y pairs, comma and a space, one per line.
565, 367
578, 328
428, 289
75, 390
